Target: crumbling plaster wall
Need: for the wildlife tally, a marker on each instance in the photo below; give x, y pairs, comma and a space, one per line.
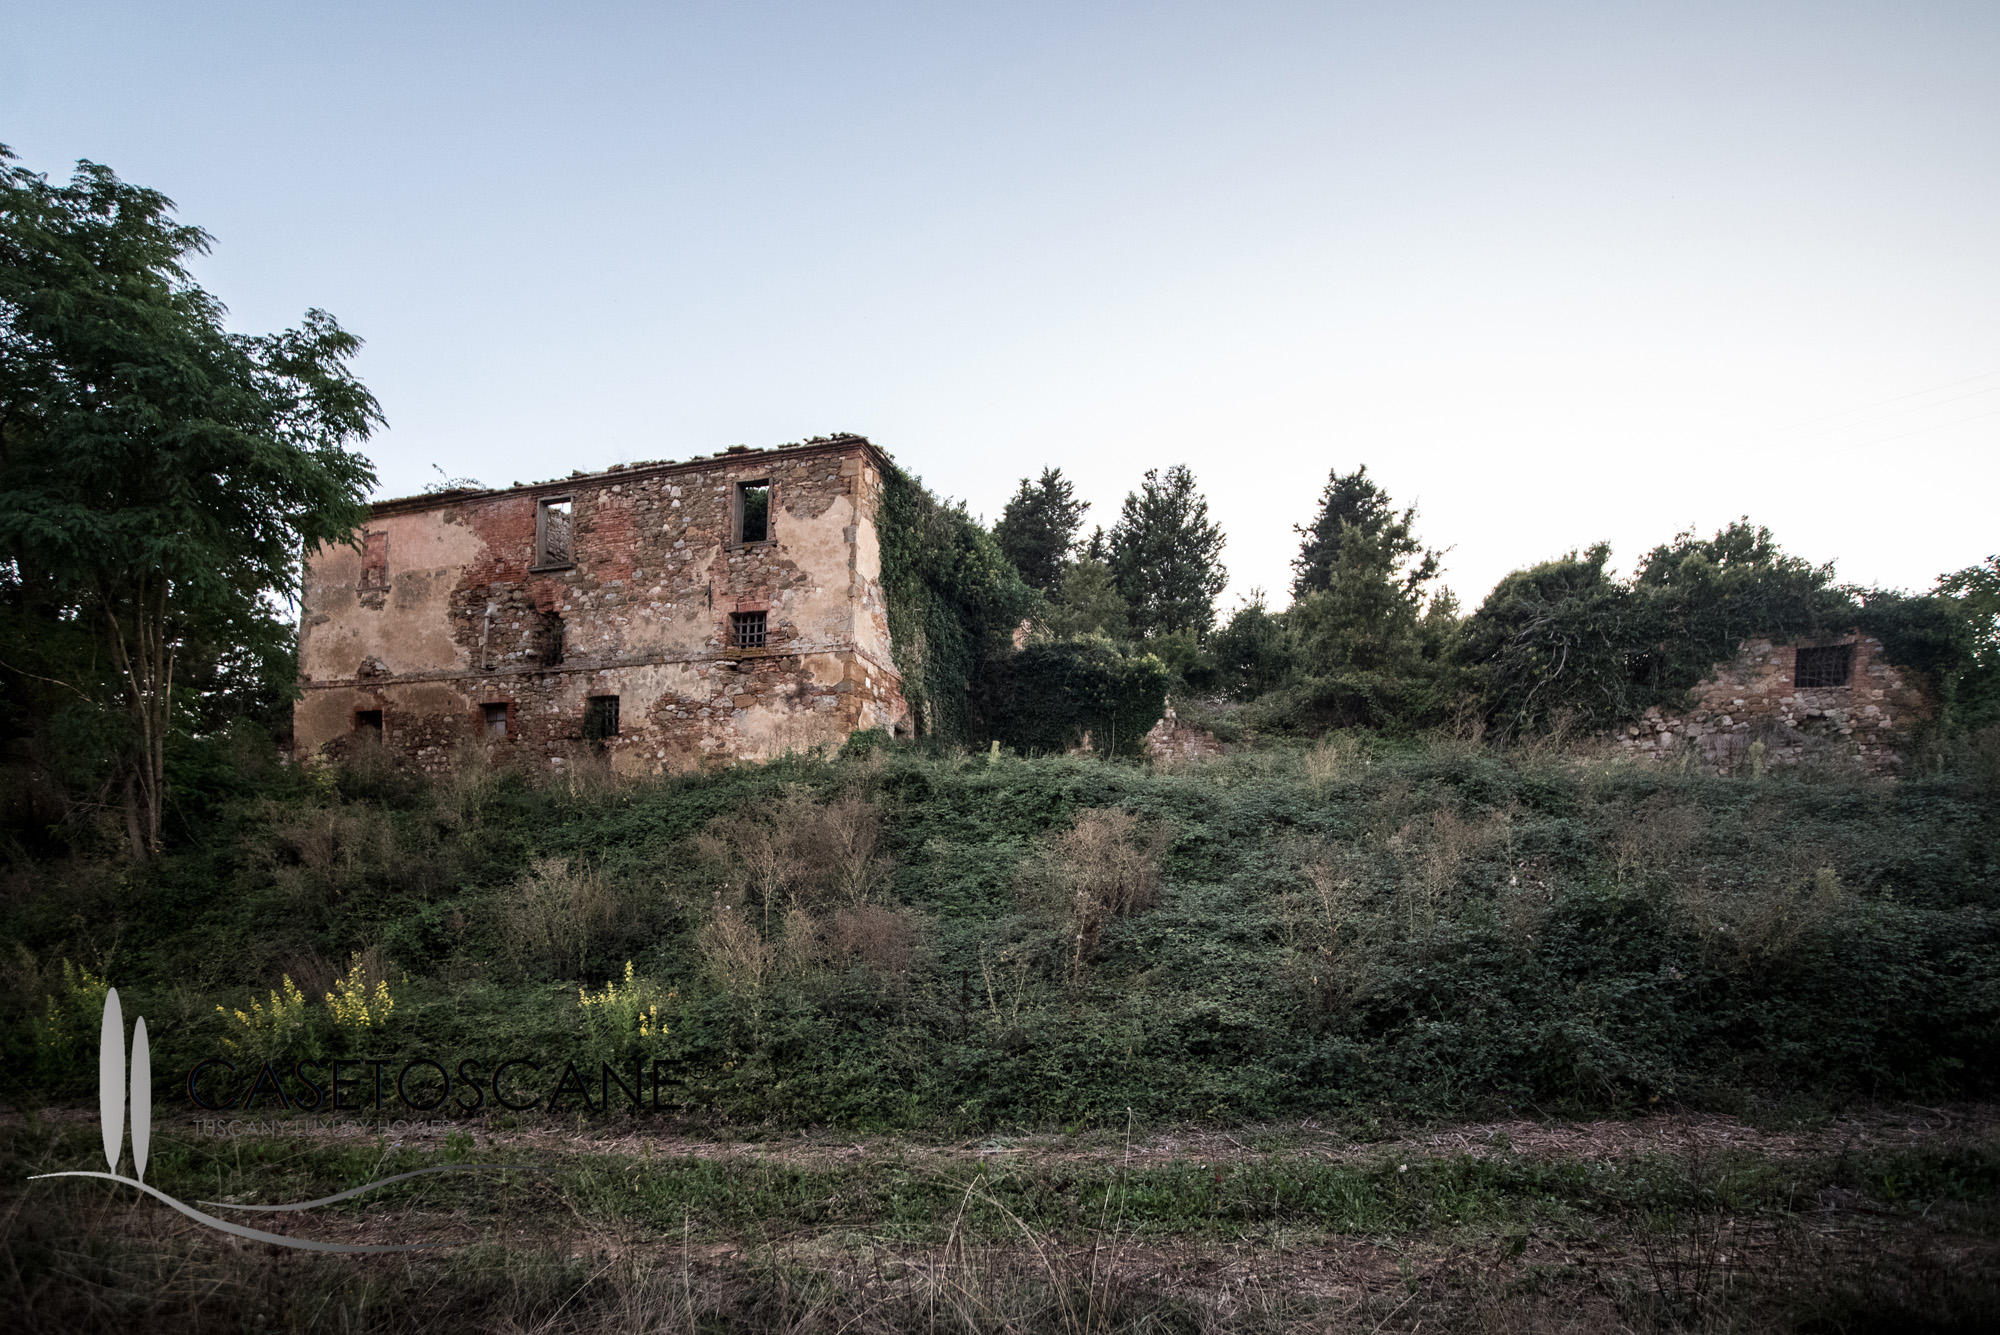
1868, 722
348, 625
467, 620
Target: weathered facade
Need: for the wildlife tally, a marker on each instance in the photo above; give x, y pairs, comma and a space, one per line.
1839, 698
674, 615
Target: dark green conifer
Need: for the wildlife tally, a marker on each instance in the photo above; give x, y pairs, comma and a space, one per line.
1037, 531
1166, 556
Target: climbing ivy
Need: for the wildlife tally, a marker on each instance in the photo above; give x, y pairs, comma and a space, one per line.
953, 602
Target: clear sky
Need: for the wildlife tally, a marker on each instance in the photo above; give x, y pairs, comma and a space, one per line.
1556, 273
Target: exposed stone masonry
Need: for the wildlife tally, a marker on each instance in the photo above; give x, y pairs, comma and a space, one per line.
447, 615
1171, 742
1752, 698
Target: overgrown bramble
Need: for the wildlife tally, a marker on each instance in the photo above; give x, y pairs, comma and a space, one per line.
352, 1004
267, 1031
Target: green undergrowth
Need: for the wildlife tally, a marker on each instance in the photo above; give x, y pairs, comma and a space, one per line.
1359, 930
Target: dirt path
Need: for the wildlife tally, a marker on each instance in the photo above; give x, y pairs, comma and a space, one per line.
1515, 1274
1680, 1134
1873, 1129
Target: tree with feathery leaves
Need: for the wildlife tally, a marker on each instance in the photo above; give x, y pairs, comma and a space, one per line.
160, 476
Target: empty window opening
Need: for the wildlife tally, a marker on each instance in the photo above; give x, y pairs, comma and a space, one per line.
600, 718
1830, 666
496, 719
368, 722
549, 639
746, 630
555, 533
375, 561
753, 511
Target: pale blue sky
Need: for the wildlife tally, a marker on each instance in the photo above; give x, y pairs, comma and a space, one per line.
1555, 272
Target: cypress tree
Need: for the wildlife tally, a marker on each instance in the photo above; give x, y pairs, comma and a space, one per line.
1037, 531
1165, 555
1353, 504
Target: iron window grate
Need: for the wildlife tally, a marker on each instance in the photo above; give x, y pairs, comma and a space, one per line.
747, 630
600, 718
1831, 665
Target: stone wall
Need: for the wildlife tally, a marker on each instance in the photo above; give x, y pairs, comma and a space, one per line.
443, 613
1868, 722
1171, 742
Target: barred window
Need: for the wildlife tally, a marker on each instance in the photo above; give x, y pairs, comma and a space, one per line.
746, 630
496, 719
1828, 666
600, 718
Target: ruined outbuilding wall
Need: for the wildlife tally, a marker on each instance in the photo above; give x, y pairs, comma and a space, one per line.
444, 612
1752, 698
1171, 742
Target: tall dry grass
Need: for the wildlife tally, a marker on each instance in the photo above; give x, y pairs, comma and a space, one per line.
1106, 865
1752, 923
554, 914
1410, 873
1333, 759
1654, 836
585, 774
799, 895
327, 851
1435, 853
458, 797
1324, 931
800, 851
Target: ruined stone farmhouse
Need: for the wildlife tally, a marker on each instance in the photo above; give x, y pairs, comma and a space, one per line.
670, 615
1838, 698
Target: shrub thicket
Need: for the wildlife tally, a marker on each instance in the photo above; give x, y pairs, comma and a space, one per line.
916, 938
1052, 697
1372, 640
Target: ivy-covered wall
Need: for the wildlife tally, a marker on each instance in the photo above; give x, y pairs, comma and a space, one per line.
953, 603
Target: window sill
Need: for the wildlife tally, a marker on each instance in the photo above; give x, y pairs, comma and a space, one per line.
543, 570
746, 546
